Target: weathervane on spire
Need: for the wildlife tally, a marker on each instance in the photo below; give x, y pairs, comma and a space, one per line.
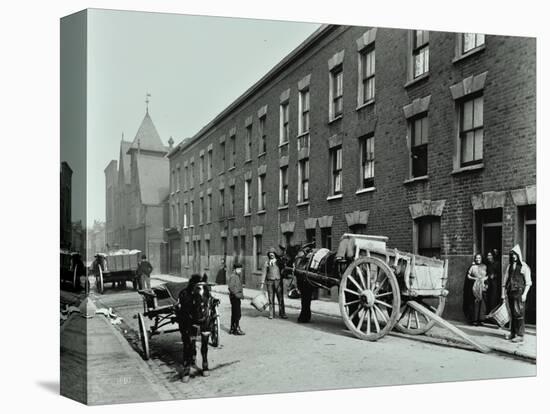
147, 96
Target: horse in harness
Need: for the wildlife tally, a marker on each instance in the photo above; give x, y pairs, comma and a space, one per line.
193, 316
304, 258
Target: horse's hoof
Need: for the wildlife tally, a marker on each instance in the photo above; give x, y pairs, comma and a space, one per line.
205, 373
185, 378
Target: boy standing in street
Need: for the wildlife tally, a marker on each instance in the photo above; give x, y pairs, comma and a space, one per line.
516, 282
235, 295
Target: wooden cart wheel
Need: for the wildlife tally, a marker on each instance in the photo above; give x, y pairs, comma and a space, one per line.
413, 322
75, 279
144, 337
99, 281
215, 333
369, 298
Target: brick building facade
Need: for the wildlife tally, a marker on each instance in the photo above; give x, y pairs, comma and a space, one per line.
425, 137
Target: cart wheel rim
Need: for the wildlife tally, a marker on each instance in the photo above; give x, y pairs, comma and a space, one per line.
369, 298
413, 322
74, 278
144, 337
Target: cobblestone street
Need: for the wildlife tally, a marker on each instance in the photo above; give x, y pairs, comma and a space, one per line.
284, 356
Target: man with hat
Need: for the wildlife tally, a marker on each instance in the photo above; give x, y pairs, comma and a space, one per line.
516, 282
274, 284
235, 295
144, 271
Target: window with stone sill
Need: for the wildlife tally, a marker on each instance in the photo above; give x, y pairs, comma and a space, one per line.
262, 147
284, 123
419, 145
201, 210
303, 180
366, 145
261, 192
247, 197
336, 92
367, 74
232, 200
209, 208
420, 52
222, 203
336, 170
471, 130
471, 41
248, 142
209, 164
283, 186
233, 150
222, 155
303, 104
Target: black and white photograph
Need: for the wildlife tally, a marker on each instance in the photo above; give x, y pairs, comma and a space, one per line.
370, 197
331, 212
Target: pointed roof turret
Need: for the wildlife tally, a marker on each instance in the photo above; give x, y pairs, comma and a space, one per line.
147, 137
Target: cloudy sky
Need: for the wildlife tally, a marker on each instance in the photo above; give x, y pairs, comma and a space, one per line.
192, 66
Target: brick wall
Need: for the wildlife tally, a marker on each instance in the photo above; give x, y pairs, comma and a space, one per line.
508, 161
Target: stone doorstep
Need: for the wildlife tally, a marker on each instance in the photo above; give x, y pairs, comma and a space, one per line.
331, 309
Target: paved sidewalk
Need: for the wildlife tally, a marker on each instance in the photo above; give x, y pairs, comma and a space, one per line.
488, 335
100, 367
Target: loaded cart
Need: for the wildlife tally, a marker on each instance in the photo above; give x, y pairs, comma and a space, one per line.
116, 267
379, 288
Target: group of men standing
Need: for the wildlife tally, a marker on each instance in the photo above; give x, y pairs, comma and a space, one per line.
273, 283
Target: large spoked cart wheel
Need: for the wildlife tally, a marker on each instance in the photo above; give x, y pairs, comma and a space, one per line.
413, 322
369, 298
144, 337
99, 285
215, 329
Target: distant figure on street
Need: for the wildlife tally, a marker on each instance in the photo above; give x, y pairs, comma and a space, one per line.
273, 283
494, 281
516, 282
475, 288
221, 275
144, 271
235, 296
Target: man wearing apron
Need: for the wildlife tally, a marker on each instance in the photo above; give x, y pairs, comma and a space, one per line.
516, 282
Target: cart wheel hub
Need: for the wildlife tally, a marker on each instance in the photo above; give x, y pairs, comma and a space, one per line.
367, 298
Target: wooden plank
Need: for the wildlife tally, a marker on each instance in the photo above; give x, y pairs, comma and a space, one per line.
442, 322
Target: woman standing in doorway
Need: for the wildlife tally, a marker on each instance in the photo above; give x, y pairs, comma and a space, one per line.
477, 277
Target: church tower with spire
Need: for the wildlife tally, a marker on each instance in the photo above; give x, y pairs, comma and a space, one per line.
143, 185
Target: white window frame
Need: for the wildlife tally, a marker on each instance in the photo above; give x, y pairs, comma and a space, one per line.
302, 111
301, 163
414, 48
334, 152
362, 58
479, 43
247, 194
333, 73
461, 104
284, 127
248, 143
363, 165
262, 145
261, 192
282, 194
